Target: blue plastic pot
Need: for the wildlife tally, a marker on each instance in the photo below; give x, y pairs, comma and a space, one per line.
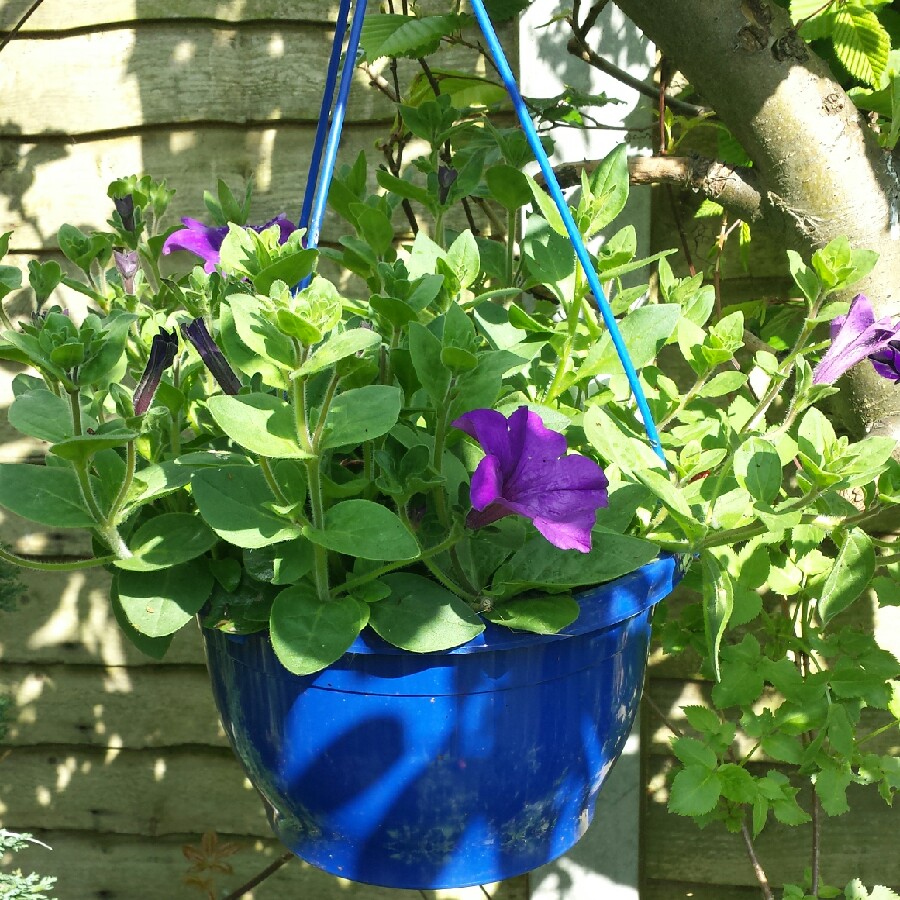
443, 769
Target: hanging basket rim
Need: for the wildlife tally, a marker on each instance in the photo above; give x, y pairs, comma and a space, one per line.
603, 606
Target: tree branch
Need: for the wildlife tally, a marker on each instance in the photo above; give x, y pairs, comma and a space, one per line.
735, 189
579, 48
760, 873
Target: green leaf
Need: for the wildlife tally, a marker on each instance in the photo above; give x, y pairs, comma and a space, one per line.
290, 269
608, 190
104, 362
154, 647
80, 449
722, 384
362, 414
804, 277
673, 499
421, 616
853, 570
695, 791
338, 347
231, 502
541, 565
831, 788
259, 334
261, 423
405, 36
159, 480
242, 357
617, 445
43, 415
167, 540
508, 186
309, 634
718, 603
48, 495
159, 603
861, 42
693, 752
364, 529
464, 259
425, 350
284, 563
757, 468
539, 615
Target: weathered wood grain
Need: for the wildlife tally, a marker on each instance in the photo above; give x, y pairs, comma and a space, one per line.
672, 890
110, 706
114, 867
862, 843
67, 619
183, 72
93, 13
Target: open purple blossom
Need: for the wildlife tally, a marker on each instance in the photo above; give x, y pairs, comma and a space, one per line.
887, 361
162, 354
212, 356
205, 241
526, 472
853, 338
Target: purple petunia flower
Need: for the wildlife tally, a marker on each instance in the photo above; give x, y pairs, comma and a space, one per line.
205, 241
212, 356
853, 338
887, 361
162, 355
526, 472
127, 263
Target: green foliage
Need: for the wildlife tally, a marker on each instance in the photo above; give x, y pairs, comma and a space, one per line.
16, 885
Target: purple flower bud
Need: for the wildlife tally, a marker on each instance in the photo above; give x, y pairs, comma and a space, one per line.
446, 178
853, 338
205, 241
887, 361
162, 355
125, 209
211, 355
127, 264
526, 472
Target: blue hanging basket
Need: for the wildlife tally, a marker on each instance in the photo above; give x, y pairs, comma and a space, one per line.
456, 768
447, 769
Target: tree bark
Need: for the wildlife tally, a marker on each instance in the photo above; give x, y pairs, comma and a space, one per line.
815, 158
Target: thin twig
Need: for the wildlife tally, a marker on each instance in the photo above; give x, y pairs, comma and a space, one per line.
271, 869
579, 48
758, 870
18, 26
591, 18
816, 843
663, 717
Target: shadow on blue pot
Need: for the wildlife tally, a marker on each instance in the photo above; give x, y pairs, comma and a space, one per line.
443, 769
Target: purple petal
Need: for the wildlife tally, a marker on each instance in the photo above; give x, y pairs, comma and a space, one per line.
886, 362
491, 429
855, 338
487, 483
202, 240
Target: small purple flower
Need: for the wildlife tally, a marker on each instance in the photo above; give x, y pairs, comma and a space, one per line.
887, 361
211, 355
853, 338
162, 355
205, 241
526, 472
127, 263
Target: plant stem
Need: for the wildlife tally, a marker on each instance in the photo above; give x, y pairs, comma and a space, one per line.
69, 566
572, 316
269, 870
119, 502
758, 870
269, 475
511, 221
443, 547
816, 843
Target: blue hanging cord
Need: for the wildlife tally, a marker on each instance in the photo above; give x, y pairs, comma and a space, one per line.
334, 134
340, 32
556, 193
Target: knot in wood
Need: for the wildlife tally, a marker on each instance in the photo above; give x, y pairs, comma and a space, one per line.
751, 39
790, 46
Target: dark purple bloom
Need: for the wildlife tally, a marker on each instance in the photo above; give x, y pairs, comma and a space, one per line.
211, 355
446, 179
205, 241
887, 361
526, 472
125, 209
162, 355
127, 263
853, 338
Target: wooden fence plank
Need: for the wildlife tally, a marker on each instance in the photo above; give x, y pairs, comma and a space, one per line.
862, 843
217, 73
110, 706
113, 867
673, 890
52, 17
